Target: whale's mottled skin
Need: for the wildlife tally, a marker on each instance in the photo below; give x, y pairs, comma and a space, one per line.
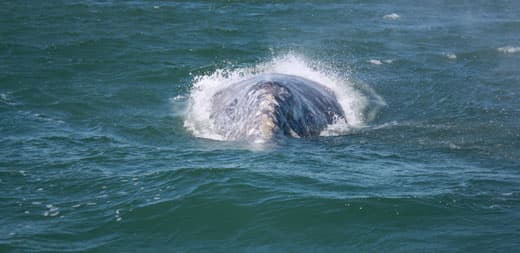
271, 105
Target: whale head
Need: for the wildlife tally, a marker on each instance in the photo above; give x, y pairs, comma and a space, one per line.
271, 106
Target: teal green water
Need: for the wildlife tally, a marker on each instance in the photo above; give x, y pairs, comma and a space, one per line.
95, 155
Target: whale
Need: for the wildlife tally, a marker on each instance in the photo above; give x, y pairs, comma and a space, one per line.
270, 106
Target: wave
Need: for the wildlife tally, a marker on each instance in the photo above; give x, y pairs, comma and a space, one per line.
359, 102
509, 49
392, 16
6, 99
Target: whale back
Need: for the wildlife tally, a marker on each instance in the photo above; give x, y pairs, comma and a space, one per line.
273, 105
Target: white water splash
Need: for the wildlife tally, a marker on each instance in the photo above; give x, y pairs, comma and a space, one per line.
359, 102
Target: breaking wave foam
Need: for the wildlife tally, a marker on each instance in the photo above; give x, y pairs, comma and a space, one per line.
359, 102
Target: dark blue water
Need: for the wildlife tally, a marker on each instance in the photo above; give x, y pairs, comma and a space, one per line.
97, 152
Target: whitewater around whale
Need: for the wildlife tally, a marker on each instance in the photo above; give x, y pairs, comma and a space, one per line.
268, 106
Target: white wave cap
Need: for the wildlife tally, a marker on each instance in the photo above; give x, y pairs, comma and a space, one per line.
358, 101
450, 56
392, 16
509, 49
375, 61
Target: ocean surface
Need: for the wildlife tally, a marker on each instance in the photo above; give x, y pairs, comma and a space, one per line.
106, 144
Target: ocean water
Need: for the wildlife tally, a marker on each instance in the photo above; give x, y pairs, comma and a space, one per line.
106, 146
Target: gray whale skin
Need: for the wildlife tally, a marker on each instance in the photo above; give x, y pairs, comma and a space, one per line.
268, 106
